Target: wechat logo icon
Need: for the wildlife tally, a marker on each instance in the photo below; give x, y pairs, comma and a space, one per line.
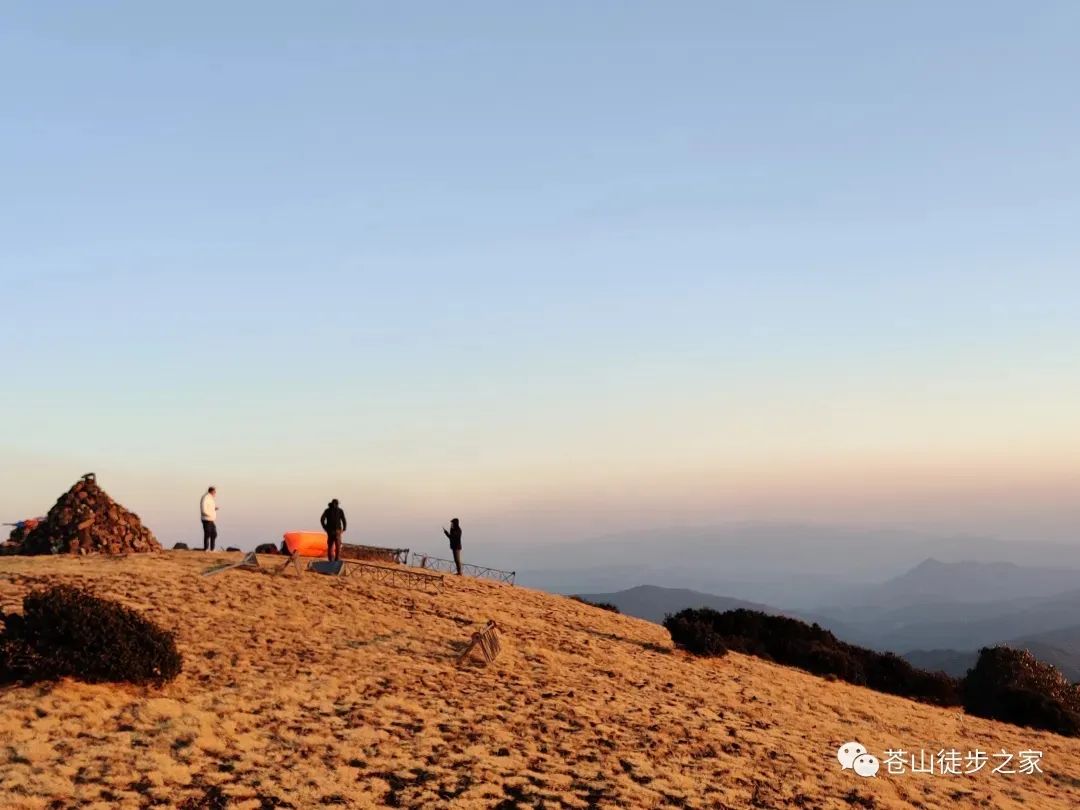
853, 756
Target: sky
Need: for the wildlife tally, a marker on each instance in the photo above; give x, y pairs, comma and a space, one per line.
558, 269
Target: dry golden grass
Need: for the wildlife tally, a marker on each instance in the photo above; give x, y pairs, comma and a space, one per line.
341, 692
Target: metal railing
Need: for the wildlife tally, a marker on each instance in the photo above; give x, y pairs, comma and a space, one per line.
352, 551
398, 577
450, 567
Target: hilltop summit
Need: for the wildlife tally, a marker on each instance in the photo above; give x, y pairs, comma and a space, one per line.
316, 691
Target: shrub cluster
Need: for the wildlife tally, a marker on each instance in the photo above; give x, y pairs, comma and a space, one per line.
602, 605
1015, 687
810, 647
693, 630
65, 631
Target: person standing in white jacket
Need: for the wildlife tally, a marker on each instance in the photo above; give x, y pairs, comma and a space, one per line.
208, 512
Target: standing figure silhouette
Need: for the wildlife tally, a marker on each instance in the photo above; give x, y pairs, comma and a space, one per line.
333, 523
454, 535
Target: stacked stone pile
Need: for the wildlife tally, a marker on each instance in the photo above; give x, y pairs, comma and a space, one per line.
85, 520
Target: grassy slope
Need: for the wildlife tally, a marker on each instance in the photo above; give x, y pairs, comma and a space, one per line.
343, 692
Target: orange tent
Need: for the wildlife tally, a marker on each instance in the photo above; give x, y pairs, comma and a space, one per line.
307, 544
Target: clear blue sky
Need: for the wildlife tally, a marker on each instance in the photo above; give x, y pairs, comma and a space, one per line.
606, 263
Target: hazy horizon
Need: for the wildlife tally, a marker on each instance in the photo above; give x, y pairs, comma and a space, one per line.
247, 520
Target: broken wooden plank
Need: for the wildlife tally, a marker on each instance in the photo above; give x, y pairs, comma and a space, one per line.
486, 640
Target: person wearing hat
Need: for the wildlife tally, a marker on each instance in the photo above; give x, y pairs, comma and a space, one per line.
454, 536
333, 523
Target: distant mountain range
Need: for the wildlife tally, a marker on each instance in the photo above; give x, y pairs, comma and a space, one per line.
1058, 647
653, 603
792, 566
937, 614
966, 581
964, 605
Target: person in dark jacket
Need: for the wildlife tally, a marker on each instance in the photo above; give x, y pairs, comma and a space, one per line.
454, 535
333, 523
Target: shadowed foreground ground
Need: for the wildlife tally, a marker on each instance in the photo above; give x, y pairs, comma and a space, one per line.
325, 692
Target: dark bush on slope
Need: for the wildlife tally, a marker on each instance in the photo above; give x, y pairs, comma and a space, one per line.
809, 647
68, 632
693, 631
1015, 687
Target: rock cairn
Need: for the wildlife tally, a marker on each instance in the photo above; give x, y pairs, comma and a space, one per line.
85, 520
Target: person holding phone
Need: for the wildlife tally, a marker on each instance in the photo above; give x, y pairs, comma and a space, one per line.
454, 535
